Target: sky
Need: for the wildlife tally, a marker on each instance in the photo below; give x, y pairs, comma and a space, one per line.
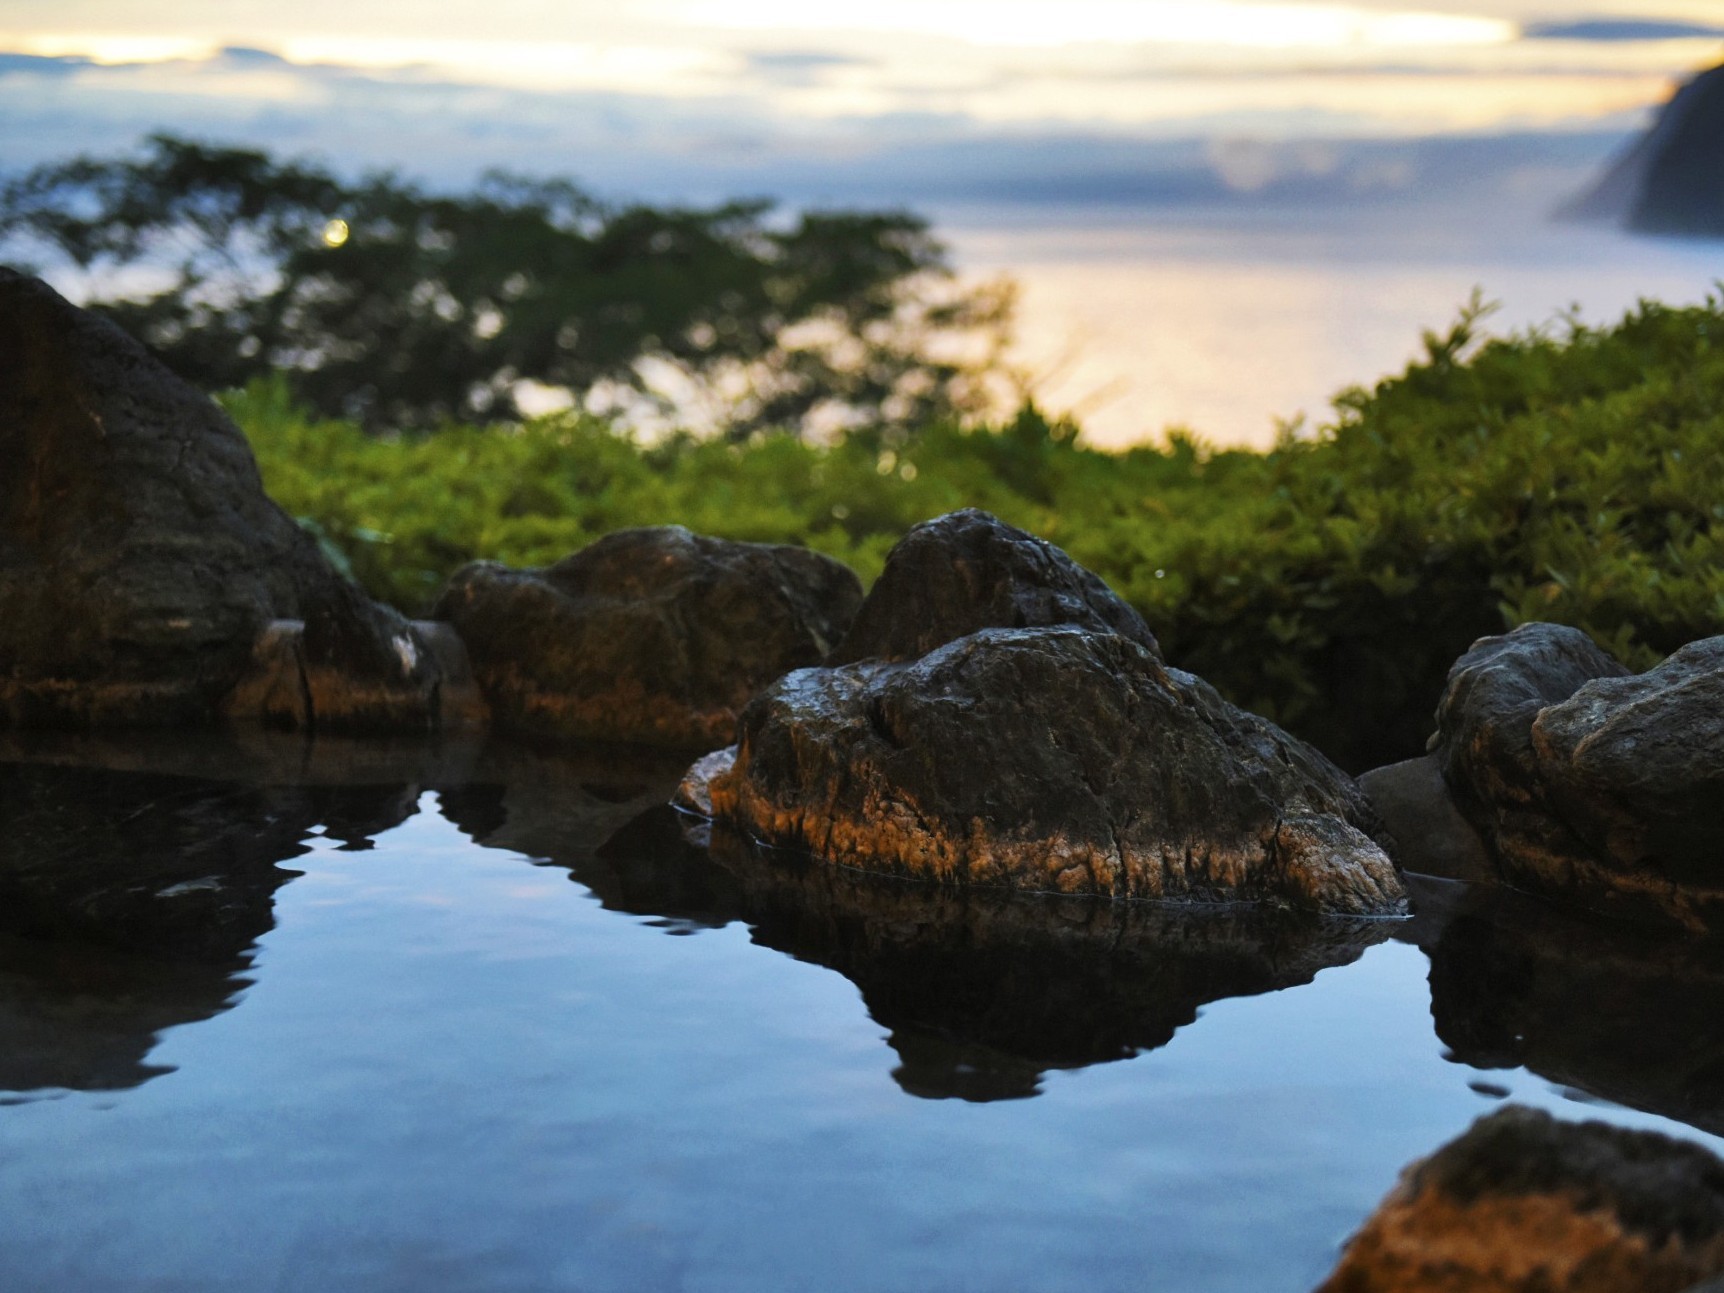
1187, 190
707, 94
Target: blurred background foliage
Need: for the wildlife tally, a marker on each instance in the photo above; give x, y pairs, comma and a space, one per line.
384, 303
1573, 475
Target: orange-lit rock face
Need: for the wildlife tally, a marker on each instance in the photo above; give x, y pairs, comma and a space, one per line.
1523, 1202
652, 637
1054, 760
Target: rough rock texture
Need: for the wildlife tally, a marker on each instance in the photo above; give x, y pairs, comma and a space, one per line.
140, 560
1051, 759
1589, 783
966, 571
1522, 1202
651, 637
1635, 767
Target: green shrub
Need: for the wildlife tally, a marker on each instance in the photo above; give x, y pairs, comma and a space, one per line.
1573, 475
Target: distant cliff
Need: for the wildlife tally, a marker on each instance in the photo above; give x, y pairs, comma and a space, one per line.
1672, 180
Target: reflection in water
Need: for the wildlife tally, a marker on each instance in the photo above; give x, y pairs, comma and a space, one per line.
130, 902
177, 866
594, 815
84, 1017
982, 992
135, 879
1629, 1016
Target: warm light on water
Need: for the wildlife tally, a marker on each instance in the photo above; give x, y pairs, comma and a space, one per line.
1225, 325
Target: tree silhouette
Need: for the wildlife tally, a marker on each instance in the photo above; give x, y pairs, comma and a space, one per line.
405, 308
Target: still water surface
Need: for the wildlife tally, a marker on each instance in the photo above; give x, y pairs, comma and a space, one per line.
508, 1031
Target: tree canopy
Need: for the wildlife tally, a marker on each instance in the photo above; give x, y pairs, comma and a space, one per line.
401, 307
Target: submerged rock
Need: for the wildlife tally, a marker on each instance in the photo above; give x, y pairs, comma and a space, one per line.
1589, 783
650, 637
967, 570
1522, 1201
1052, 759
140, 560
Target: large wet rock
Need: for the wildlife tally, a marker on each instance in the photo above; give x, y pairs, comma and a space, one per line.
1522, 1202
650, 637
140, 560
1590, 783
1052, 759
967, 570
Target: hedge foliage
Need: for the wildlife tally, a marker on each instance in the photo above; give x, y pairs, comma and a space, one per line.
1570, 474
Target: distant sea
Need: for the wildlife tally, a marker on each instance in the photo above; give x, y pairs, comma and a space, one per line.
1224, 320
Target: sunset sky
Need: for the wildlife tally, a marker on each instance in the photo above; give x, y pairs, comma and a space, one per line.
633, 91
1187, 190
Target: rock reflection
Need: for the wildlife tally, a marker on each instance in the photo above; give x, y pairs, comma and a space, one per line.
131, 900
1632, 1017
600, 816
984, 992
83, 1017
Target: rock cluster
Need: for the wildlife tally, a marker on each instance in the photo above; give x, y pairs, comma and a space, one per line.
1589, 783
146, 580
1064, 757
1522, 1201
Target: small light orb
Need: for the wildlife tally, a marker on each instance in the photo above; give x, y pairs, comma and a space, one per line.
335, 233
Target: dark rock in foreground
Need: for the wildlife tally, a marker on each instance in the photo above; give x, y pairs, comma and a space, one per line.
1586, 782
140, 560
1050, 759
651, 637
966, 571
1522, 1201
